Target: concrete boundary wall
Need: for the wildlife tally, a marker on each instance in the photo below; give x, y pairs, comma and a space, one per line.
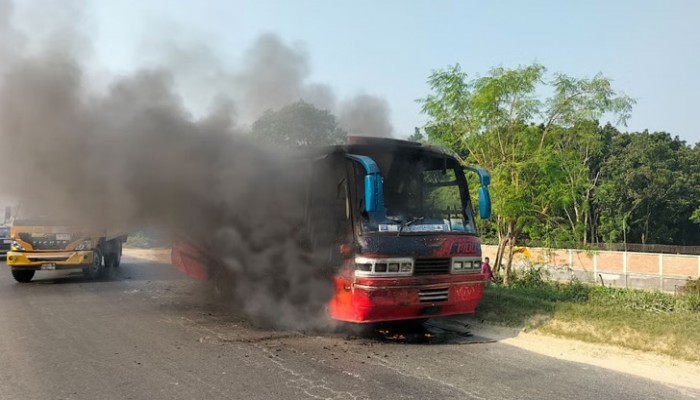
666, 272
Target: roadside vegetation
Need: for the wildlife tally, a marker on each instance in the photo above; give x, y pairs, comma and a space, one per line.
656, 322
146, 239
559, 176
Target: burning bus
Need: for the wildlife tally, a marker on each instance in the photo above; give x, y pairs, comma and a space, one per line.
398, 222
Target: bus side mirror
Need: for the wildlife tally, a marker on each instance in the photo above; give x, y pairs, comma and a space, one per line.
484, 195
374, 193
374, 186
484, 202
8, 213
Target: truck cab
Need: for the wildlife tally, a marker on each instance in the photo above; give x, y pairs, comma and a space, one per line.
42, 242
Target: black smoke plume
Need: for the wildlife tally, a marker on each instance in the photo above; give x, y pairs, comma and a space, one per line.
135, 154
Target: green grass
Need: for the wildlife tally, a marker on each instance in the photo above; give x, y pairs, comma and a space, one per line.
649, 321
140, 240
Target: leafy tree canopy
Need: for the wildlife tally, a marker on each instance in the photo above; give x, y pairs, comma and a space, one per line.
298, 124
541, 151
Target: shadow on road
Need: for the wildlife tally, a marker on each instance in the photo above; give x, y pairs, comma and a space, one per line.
434, 331
129, 270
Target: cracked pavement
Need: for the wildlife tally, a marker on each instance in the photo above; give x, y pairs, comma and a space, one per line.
146, 331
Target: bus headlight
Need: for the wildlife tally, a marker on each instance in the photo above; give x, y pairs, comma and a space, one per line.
466, 265
15, 246
394, 267
383, 266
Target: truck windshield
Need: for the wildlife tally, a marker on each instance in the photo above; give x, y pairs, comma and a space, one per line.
420, 198
31, 215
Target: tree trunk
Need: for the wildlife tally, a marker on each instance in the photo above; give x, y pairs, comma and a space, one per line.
496, 266
585, 229
511, 242
645, 235
499, 255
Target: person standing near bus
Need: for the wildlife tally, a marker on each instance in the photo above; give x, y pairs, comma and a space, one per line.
486, 271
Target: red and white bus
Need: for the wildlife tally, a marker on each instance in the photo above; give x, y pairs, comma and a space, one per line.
404, 238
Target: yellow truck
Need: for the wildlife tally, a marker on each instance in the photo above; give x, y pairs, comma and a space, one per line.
39, 244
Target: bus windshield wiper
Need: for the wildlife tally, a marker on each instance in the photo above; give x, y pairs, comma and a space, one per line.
407, 223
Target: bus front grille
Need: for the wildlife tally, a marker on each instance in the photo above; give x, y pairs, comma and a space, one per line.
433, 295
431, 266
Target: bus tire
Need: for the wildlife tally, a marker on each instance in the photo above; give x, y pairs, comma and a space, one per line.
95, 269
22, 276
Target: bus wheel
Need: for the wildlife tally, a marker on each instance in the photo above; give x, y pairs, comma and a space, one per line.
95, 269
22, 276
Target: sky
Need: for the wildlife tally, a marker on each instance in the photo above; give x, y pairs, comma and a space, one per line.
650, 49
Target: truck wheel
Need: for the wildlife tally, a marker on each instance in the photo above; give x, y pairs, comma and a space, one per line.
95, 269
118, 255
113, 260
22, 276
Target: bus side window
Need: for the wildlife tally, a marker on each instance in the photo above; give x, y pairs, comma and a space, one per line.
356, 175
342, 194
341, 190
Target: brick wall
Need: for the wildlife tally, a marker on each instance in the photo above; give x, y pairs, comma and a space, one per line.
665, 272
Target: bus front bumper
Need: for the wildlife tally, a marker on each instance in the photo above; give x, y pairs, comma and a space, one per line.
375, 302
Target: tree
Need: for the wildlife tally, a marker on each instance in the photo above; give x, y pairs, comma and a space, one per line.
649, 189
582, 150
298, 124
417, 136
695, 217
500, 122
693, 160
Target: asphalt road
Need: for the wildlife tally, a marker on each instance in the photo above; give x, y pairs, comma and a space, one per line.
147, 332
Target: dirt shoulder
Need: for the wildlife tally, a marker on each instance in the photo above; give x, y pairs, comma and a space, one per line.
159, 255
655, 367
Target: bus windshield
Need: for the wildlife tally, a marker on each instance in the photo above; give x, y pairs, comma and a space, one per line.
421, 198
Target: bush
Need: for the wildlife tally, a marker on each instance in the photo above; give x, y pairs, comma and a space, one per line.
532, 283
140, 241
634, 299
576, 290
530, 277
692, 287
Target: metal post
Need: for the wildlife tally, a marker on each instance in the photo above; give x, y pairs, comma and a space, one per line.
571, 264
624, 266
595, 267
661, 271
